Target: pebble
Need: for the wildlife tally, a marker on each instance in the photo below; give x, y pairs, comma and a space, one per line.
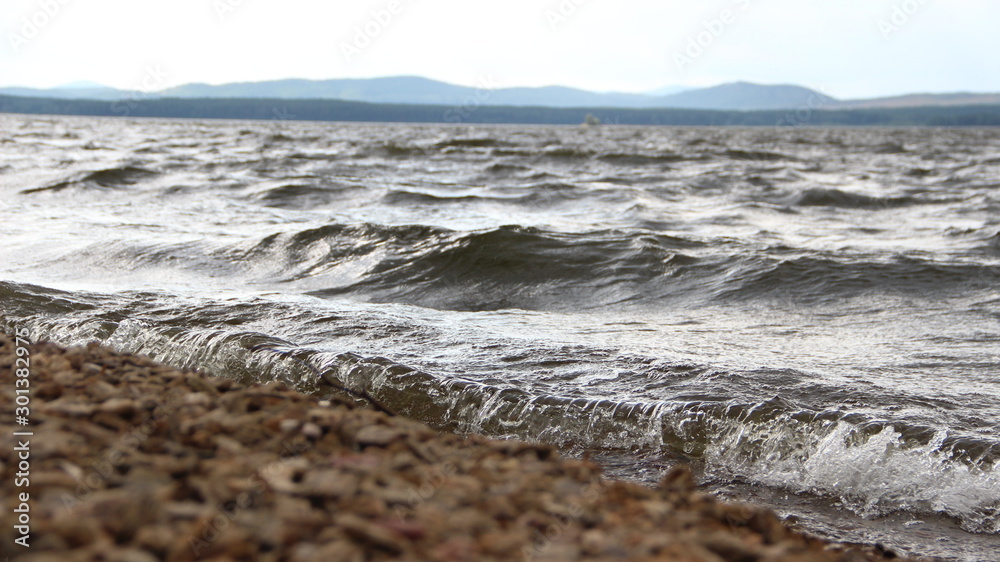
377, 435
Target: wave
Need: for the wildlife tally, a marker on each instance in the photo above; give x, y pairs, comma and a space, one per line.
562, 153
535, 269
527, 268
300, 193
993, 242
405, 198
502, 170
890, 148
628, 159
308, 252
107, 178
393, 150
819, 278
544, 195
827, 197
872, 466
473, 142
519, 267
756, 155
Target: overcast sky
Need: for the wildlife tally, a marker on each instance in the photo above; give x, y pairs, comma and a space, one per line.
845, 48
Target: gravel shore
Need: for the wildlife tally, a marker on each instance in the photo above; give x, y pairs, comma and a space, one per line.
135, 461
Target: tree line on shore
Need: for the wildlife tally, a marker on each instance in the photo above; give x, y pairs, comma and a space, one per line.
474, 113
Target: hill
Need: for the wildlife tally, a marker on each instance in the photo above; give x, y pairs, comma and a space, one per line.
735, 96
418, 90
414, 90
745, 96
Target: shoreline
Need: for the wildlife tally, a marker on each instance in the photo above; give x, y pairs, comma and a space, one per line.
134, 460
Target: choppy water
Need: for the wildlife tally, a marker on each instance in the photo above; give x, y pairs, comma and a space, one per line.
811, 316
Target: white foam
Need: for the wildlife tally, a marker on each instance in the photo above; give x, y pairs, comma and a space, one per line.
872, 476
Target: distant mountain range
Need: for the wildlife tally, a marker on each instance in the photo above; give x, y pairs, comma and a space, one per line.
735, 96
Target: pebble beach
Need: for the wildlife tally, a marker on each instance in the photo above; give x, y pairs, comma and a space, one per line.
131, 460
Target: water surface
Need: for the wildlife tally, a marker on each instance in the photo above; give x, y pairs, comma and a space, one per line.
809, 316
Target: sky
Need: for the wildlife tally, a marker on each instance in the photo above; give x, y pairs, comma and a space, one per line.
845, 48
